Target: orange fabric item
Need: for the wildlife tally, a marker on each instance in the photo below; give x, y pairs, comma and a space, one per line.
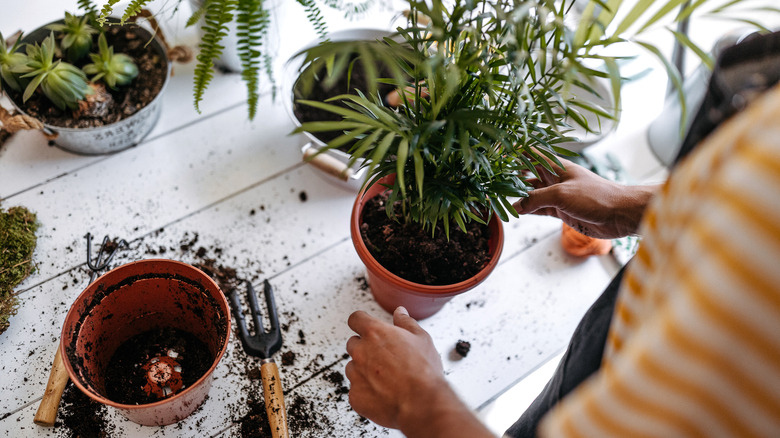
580, 245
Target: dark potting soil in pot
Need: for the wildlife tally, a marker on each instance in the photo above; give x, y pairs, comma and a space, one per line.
141, 369
413, 254
346, 84
112, 105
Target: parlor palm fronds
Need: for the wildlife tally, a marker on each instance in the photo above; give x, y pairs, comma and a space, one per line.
490, 95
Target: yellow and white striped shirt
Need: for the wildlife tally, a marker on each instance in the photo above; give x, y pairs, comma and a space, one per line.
694, 345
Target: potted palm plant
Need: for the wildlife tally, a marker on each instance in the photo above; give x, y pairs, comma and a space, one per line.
484, 92
93, 89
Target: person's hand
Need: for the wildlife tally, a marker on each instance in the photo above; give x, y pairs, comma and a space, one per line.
588, 203
390, 365
397, 380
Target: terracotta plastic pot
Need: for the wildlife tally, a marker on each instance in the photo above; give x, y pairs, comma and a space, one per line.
391, 291
133, 299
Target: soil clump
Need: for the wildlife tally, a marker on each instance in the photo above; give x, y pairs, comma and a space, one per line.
416, 255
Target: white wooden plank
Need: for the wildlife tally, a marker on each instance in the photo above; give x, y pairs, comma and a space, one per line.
134, 193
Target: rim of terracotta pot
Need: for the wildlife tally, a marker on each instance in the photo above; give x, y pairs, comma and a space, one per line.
92, 394
496, 242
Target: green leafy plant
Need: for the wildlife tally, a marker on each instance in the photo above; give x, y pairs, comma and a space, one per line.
63, 83
10, 61
252, 20
76, 35
489, 96
113, 68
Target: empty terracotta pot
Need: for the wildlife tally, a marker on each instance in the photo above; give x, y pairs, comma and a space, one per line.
421, 300
146, 297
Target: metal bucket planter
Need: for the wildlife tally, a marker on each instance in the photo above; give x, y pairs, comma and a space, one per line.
333, 163
134, 299
113, 137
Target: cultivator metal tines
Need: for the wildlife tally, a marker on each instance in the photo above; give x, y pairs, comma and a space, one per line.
108, 249
263, 344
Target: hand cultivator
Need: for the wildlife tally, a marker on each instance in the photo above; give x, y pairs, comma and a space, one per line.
264, 344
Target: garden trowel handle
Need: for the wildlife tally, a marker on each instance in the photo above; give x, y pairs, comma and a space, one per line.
327, 164
58, 378
274, 399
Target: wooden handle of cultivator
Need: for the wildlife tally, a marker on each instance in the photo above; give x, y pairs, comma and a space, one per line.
327, 164
58, 378
274, 399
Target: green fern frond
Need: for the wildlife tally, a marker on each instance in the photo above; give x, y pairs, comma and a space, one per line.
88, 7
133, 9
196, 16
314, 15
351, 10
218, 14
268, 63
105, 11
252, 23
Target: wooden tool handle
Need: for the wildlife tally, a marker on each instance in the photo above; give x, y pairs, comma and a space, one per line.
58, 378
274, 399
327, 164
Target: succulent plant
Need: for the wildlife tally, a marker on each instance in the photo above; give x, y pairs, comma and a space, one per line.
113, 68
76, 35
11, 60
63, 83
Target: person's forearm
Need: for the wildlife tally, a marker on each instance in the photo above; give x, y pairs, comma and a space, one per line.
441, 414
633, 203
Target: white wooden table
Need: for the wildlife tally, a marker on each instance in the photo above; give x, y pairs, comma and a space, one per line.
241, 188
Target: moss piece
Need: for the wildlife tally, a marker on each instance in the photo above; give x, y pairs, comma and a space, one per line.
17, 242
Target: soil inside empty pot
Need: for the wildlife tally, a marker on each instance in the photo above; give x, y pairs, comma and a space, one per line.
413, 254
112, 105
346, 84
155, 365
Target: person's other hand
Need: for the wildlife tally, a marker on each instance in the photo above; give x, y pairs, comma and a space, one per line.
391, 366
397, 380
585, 201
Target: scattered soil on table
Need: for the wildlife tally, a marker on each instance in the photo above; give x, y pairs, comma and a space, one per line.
288, 358
143, 366
413, 254
463, 348
225, 276
305, 411
81, 417
346, 84
116, 104
17, 242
